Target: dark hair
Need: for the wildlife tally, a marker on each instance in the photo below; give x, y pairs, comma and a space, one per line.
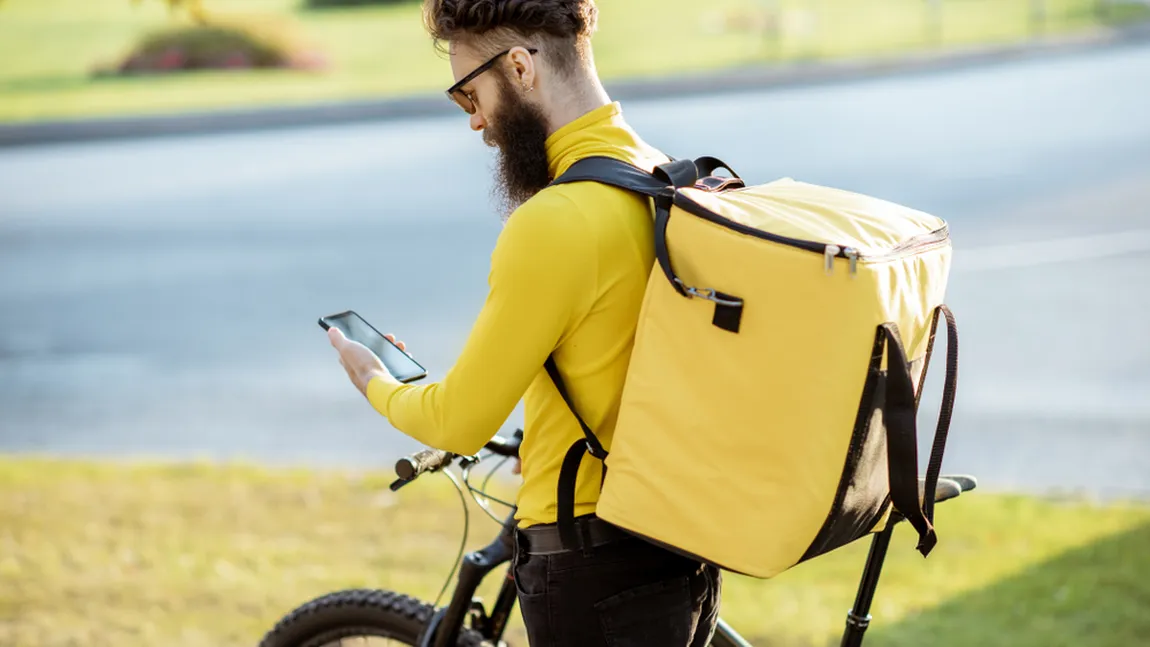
561, 29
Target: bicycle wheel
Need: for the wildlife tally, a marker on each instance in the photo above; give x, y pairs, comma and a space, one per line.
360, 617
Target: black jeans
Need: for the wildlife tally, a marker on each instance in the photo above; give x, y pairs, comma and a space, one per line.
628, 593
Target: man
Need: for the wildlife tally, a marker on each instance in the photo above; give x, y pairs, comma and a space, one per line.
568, 275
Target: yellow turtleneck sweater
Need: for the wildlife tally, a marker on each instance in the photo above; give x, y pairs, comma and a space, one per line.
567, 275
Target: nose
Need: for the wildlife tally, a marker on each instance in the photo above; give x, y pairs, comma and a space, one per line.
477, 122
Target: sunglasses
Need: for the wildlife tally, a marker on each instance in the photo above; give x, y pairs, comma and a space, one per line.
464, 99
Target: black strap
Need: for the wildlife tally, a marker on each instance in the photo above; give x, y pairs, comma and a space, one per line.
608, 170
902, 439
663, 205
679, 173
660, 185
565, 504
708, 165
729, 313
613, 172
569, 471
594, 447
949, 389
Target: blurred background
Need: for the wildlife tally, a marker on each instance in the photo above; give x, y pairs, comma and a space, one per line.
74, 58
182, 459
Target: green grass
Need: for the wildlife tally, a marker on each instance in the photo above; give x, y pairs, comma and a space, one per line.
203, 555
49, 47
1097, 594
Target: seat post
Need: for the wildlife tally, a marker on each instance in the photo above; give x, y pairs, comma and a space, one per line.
858, 619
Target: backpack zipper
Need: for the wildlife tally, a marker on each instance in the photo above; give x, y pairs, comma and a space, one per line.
829, 255
909, 247
830, 251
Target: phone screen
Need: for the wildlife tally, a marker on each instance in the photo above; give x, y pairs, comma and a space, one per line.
397, 362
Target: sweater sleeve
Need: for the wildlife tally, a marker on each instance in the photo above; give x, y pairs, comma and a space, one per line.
542, 277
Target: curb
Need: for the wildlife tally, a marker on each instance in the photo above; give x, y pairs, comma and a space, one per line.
748, 79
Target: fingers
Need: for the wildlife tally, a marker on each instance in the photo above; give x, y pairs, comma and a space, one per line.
391, 338
335, 335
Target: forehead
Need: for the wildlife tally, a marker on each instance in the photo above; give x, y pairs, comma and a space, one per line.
464, 59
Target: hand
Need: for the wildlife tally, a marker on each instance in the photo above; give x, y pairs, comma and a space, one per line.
360, 363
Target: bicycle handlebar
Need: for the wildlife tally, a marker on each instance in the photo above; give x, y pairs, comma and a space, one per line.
411, 467
426, 460
506, 447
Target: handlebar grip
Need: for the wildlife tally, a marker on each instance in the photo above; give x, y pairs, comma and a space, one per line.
426, 460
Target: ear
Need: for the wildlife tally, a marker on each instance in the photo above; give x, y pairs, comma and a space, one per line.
522, 68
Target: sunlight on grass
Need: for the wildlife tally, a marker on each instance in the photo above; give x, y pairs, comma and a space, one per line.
196, 554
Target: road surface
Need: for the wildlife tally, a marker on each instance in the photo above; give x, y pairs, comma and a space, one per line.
160, 297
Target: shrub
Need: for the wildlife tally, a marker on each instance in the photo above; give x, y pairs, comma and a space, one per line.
212, 46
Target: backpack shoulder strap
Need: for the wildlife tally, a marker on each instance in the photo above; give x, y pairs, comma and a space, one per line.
569, 471
615, 172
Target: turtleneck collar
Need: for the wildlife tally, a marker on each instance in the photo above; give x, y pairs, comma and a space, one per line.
601, 131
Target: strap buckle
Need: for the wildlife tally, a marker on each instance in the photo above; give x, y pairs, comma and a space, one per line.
710, 294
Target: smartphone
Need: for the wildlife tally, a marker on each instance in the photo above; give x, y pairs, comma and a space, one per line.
354, 327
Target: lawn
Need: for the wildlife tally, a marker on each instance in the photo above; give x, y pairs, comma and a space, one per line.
187, 555
48, 48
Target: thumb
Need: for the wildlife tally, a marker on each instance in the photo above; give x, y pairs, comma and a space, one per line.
335, 335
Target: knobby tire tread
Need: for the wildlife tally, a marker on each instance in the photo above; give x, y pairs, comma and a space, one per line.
357, 612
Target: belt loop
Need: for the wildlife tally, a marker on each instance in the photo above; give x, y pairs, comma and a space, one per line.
521, 548
585, 536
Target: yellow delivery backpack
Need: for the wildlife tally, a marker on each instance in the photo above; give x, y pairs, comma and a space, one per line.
768, 414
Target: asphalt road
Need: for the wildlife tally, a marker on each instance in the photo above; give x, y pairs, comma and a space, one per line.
160, 297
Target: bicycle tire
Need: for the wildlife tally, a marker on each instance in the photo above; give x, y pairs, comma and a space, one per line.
358, 612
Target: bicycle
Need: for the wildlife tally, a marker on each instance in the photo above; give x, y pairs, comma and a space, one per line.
465, 622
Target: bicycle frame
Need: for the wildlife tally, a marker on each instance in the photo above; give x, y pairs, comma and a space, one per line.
445, 625
443, 630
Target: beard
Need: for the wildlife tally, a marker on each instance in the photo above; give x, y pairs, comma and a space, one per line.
519, 132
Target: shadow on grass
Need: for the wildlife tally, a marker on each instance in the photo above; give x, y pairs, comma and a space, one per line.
1097, 595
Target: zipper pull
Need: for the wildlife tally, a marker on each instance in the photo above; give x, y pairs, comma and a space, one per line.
830, 253
853, 257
